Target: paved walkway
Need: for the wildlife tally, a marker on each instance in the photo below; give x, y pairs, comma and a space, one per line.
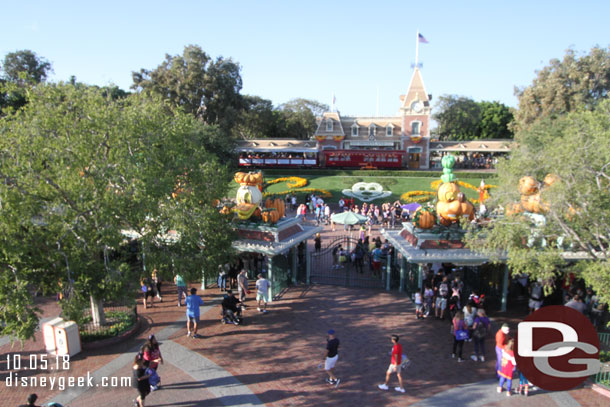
272, 359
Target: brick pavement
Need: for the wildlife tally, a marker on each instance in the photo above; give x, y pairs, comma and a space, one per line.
276, 354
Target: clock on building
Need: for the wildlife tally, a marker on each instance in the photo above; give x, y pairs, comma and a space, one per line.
417, 106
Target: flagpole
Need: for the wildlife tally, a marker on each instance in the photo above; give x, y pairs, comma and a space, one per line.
416, 48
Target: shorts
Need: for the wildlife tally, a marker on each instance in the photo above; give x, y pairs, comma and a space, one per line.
193, 319
376, 265
441, 303
535, 304
394, 368
330, 362
261, 296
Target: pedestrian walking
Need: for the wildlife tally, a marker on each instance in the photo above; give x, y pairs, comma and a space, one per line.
242, 287
157, 281
501, 341
460, 334
140, 379
181, 287
332, 355
152, 354
317, 242
507, 367
395, 366
480, 332
193, 302
262, 290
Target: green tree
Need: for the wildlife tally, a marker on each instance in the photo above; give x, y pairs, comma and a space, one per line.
457, 117
25, 66
495, 120
298, 118
202, 87
259, 119
18, 69
80, 168
576, 148
565, 85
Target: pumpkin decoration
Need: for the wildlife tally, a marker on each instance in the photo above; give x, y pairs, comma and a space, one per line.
257, 213
550, 179
250, 178
449, 211
528, 185
447, 191
424, 218
270, 215
466, 208
245, 210
277, 204
226, 210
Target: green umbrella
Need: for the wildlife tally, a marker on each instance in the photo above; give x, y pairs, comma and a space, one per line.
348, 218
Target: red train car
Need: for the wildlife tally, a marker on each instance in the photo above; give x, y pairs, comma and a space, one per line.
362, 158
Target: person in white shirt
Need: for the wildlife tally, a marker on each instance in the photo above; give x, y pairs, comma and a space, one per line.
262, 292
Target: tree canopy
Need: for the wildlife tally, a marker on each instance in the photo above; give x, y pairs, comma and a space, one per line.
575, 148
84, 172
193, 81
575, 82
461, 118
25, 66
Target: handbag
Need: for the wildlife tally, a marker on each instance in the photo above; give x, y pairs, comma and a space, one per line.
461, 334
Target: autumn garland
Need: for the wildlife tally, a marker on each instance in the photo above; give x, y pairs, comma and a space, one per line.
417, 196
295, 184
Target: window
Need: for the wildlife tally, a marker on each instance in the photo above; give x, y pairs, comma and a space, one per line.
329, 125
388, 130
415, 126
372, 131
355, 130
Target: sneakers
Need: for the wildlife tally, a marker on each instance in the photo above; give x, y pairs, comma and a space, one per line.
153, 388
460, 360
327, 380
197, 336
258, 309
264, 311
508, 393
383, 387
399, 389
499, 389
482, 358
136, 404
474, 357
188, 334
453, 356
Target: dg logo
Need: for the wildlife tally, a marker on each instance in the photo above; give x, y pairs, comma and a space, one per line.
557, 348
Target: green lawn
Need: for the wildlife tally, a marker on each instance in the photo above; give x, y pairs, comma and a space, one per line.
336, 184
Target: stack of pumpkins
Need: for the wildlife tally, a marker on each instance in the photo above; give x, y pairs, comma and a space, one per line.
529, 189
452, 203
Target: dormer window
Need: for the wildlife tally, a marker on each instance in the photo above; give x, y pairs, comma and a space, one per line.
372, 131
355, 130
329, 125
389, 130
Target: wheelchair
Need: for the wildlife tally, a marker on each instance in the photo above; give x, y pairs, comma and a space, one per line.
230, 317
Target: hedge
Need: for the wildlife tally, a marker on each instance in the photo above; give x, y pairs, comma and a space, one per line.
372, 173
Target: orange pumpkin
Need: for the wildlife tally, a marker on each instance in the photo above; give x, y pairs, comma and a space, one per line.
532, 203
528, 185
280, 206
550, 179
257, 213
270, 216
513, 209
448, 191
424, 219
268, 203
449, 211
239, 177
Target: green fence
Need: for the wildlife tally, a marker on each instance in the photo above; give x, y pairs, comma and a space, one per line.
603, 377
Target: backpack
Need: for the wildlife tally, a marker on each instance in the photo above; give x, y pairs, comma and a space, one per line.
443, 289
481, 330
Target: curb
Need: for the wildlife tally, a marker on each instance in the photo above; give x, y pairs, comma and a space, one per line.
117, 339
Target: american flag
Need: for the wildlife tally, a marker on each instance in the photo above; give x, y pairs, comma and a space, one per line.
422, 39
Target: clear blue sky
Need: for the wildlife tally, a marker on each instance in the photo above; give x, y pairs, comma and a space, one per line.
310, 49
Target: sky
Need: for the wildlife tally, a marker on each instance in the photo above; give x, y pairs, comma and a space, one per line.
360, 51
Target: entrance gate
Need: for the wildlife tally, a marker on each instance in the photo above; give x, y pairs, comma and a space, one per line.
327, 269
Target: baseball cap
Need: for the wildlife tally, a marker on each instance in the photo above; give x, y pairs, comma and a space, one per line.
331, 331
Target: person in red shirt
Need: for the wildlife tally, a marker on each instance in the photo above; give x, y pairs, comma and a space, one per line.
507, 366
501, 340
394, 366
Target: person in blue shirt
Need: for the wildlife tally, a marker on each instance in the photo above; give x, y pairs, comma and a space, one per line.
193, 302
